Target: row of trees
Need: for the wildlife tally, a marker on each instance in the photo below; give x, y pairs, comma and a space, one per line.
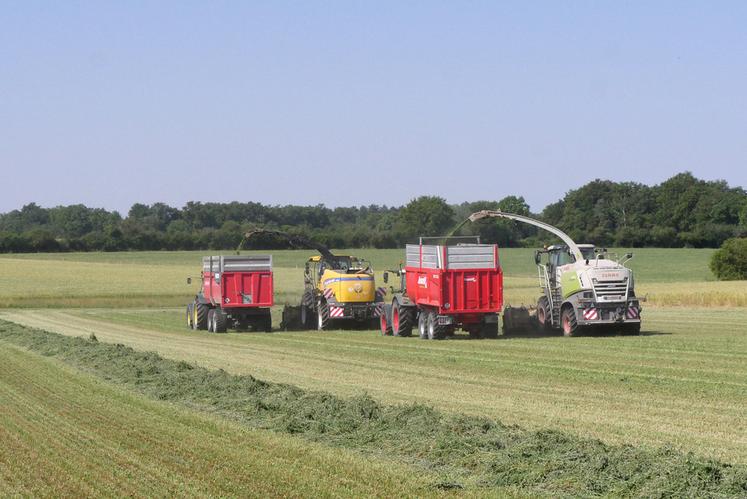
682, 211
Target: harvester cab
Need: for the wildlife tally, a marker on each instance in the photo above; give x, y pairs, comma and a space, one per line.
582, 286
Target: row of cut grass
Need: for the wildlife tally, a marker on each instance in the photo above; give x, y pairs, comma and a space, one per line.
683, 383
463, 451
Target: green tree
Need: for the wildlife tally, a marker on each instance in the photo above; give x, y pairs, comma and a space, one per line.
729, 263
426, 216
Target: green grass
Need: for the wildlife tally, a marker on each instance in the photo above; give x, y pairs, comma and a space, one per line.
462, 451
682, 383
67, 434
670, 277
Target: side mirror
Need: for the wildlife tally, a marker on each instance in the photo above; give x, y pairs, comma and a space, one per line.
628, 256
386, 277
189, 280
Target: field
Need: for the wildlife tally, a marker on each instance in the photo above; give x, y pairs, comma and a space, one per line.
682, 384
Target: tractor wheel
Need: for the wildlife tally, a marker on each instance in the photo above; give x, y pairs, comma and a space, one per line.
220, 321
190, 315
384, 325
435, 330
200, 316
632, 329
322, 316
401, 319
543, 314
423, 324
305, 315
568, 322
211, 321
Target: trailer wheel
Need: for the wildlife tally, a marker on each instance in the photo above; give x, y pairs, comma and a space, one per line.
220, 321
322, 313
423, 324
401, 319
267, 322
543, 313
435, 330
489, 330
632, 329
568, 322
201, 316
190, 315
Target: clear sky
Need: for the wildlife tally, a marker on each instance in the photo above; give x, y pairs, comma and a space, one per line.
347, 103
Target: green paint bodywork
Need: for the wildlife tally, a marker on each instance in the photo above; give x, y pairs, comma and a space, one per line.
569, 283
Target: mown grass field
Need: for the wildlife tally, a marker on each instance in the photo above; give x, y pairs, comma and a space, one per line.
669, 277
682, 383
67, 434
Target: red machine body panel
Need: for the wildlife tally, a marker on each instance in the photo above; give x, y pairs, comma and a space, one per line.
455, 280
238, 282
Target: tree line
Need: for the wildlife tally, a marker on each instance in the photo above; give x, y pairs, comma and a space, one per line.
683, 211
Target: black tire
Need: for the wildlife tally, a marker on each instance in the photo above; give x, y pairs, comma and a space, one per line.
632, 329
435, 330
474, 332
211, 321
220, 321
544, 320
201, 316
423, 325
568, 322
402, 319
489, 330
322, 316
306, 314
267, 322
190, 315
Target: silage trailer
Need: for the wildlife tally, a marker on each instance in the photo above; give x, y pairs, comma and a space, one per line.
236, 292
446, 286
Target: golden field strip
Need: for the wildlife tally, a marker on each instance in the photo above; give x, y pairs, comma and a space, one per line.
682, 383
67, 434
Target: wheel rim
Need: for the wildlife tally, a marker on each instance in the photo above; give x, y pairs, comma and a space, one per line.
566, 324
194, 317
320, 319
431, 327
541, 315
303, 314
421, 326
382, 324
395, 320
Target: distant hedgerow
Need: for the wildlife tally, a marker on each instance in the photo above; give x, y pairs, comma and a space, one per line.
729, 263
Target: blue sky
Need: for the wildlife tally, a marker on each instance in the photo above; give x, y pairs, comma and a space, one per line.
347, 103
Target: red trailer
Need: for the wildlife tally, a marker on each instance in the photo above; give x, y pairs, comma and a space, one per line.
444, 287
237, 292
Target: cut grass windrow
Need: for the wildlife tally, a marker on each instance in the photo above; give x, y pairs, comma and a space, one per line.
464, 451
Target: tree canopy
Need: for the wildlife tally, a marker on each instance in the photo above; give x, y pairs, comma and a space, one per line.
681, 211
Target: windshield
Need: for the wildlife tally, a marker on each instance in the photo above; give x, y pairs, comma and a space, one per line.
588, 253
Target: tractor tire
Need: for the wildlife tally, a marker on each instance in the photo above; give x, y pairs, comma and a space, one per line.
211, 321
632, 329
423, 325
220, 321
474, 332
544, 321
489, 330
322, 316
401, 319
190, 315
306, 314
435, 330
385, 325
568, 322
200, 316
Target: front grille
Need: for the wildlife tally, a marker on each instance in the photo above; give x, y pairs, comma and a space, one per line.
611, 290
